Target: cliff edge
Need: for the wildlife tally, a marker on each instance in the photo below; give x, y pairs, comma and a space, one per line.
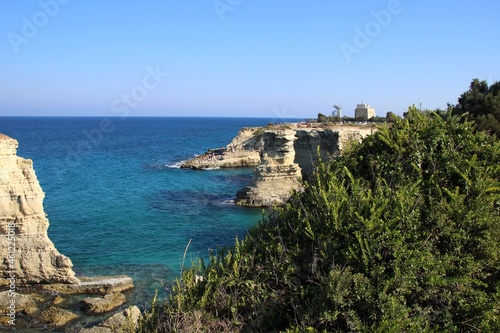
277, 175
282, 156
27, 254
290, 155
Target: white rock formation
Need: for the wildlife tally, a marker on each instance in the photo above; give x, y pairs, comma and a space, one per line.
26, 252
277, 175
290, 155
240, 153
283, 156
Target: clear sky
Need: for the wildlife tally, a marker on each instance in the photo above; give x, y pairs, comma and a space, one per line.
241, 57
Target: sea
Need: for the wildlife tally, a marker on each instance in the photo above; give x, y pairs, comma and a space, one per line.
118, 201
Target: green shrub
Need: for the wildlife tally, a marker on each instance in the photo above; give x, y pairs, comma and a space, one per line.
400, 234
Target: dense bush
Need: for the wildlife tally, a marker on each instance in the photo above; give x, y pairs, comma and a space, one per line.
400, 234
481, 104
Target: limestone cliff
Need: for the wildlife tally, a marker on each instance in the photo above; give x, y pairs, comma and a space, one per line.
26, 252
277, 175
290, 155
241, 152
309, 142
329, 141
283, 156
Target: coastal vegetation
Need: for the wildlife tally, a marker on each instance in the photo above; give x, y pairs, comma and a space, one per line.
399, 234
346, 120
481, 104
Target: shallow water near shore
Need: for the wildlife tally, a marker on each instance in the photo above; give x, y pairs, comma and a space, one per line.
117, 201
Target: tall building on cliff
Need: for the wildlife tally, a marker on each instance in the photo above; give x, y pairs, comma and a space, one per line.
364, 111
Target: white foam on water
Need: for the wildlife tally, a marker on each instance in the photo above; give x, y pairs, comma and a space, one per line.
176, 165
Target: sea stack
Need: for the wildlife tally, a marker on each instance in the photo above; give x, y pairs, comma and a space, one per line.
277, 175
27, 254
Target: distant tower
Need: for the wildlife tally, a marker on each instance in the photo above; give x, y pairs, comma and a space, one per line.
338, 111
364, 111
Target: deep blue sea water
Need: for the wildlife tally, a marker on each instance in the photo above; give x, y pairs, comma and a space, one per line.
117, 203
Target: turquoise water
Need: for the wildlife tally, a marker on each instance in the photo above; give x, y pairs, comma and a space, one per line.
118, 203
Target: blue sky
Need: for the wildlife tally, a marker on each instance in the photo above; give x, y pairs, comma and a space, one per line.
241, 57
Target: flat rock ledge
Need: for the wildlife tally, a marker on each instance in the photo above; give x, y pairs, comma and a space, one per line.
97, 305
96, 285
57, 317
224, 158
242, 152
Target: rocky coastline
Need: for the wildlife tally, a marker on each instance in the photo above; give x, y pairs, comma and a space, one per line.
282, 156
242, 152
38, 287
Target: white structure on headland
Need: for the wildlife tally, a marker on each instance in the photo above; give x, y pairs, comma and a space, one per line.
364, 111
338, 111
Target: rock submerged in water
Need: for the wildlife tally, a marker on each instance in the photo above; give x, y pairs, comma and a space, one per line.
123, 321
97, 305
57, 317
24, 304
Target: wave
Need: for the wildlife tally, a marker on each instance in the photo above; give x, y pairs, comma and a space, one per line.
176, 165
209, 169
228, 202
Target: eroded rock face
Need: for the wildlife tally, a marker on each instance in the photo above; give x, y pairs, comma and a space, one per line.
277, 175
314, 144
26, 252
283, 156
240, 153
290, 156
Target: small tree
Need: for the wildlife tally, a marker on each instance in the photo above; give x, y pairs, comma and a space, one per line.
391, 117
481, 103
322, 118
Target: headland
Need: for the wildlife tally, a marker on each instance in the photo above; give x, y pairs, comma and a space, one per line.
282, 155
